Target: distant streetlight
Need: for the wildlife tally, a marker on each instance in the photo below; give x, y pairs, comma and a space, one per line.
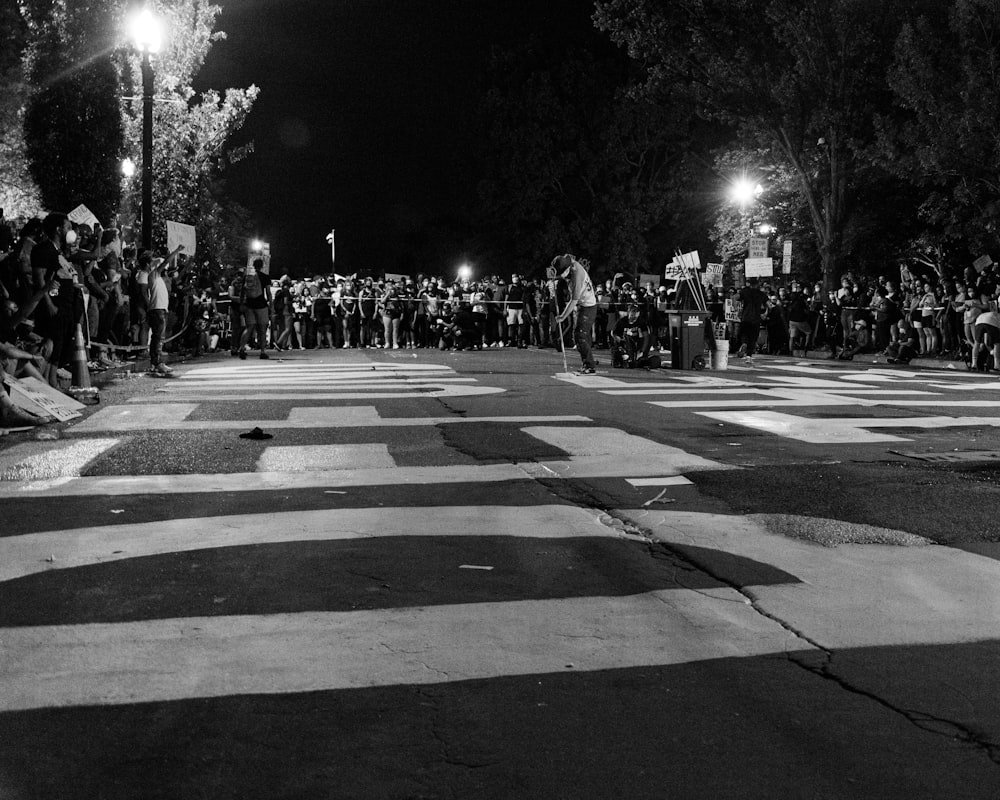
745, 191
128, 168
766, 229
147, 35
464, 273
256, 245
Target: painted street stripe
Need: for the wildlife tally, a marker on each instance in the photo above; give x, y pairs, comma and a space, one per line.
841, 431
176, 659
48, 459
672, 480
445, 391
324, 457
28, 554
644, 460
922, 593
174, 416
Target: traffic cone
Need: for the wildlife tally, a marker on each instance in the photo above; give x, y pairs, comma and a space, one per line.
81, 373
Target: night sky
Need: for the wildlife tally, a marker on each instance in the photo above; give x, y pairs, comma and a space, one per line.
366, 121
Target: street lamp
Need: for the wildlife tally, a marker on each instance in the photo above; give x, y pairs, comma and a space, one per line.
464, 273
146, 32
745, 191
128, 167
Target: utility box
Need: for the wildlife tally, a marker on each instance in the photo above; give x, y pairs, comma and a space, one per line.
687, 338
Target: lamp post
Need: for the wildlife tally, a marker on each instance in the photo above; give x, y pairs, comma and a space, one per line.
146, 30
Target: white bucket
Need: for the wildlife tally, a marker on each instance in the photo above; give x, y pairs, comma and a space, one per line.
720, 355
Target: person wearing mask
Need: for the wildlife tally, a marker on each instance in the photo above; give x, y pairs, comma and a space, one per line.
583, 301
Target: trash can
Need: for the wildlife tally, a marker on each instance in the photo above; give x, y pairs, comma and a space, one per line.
687, 338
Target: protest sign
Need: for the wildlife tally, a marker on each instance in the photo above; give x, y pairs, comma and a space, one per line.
733, 310
41, 399
759, 267
645, 278
758, 247
264, 253
982, 263
81, 215
396, 277
713, 275
180, 234
786, 261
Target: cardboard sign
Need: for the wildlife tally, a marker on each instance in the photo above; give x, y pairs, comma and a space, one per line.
645, 278
81, 215
395, 276
759, 267
178, 233
733, 310
758, 247
40, 398
786, 260
982, 263
713, 275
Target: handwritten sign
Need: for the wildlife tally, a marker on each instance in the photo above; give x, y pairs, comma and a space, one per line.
982, 263
733, 310
786, 260
81, 215
180, 234
713, 275
758, 247
759, 267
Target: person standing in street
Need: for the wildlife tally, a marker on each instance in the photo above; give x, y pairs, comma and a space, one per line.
158, 297
582, 300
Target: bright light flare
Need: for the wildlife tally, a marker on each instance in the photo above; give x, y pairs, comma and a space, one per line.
464, 272
128, 167
147, 32
256, 245
745, 191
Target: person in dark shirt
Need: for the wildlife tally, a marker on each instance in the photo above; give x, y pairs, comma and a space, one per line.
753, 301
797, 311
630, 338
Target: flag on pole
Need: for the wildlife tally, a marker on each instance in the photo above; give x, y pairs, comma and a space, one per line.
333, 246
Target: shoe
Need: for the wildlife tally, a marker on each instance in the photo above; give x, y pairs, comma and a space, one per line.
243, 355
264, 355
588, 371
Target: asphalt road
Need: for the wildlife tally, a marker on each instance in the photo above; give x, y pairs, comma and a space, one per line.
472, 575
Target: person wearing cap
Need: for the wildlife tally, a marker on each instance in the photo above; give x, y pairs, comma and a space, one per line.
630, 338
582, 300
858, 342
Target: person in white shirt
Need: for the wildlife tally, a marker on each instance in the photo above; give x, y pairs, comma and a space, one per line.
582, 300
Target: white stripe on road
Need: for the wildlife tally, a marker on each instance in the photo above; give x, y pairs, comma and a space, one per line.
174, 416
178, 659
325, 457
842, 431
30, 553
575, 467
430, 392
43, 460
673, 480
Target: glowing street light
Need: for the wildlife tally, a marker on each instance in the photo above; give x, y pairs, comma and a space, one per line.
464, 273
766, 229
147, 35
128, 167
256, 245
745, 191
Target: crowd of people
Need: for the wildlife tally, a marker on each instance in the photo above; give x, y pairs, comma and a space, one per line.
938, 317
65, 286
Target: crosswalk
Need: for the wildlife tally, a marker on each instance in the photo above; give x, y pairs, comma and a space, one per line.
311, 649
362, 549
747, 398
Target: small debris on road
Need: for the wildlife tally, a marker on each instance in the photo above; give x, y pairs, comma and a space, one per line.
474, 566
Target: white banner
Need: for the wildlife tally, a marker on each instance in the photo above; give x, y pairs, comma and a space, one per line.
786, 260
759, 267
179, 233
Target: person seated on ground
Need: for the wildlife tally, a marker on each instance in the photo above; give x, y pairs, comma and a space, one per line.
860, 341
467, 329
10, 415
26, 353
904, 348
444, 327
630, 338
